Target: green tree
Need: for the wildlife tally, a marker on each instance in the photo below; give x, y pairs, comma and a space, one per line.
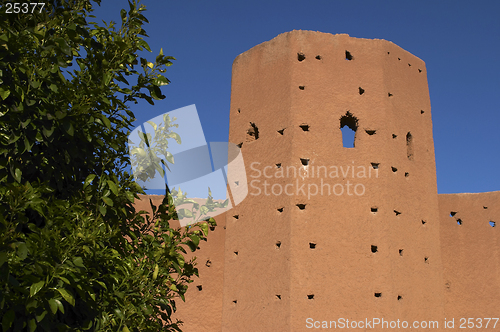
74, 253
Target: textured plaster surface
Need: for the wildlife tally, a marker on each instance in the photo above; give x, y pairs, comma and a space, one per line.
390, 252
471, 254
202, 310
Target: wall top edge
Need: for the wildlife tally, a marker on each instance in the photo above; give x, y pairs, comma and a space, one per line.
497, 192
300, 34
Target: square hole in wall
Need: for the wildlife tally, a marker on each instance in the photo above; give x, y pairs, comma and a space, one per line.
375, 165
304, 127
236, 216
281, 131
301, 56
348, 56
278, 296
302, 87
453, 213
278, 165
426, 260
370, 132
318, 57
424, 222
374, 249
301, 206
200, 287
208, 263
397, 212
280, 209
378, 294
374, 209
459, 221
394, 169
252, 132
304, 161
492, 223
401, 252
278, 245
400, 297
310, 296
312, 245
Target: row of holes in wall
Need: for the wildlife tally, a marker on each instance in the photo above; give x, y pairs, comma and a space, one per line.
348, 56
305, 162
460, 222
348, 127
311, 297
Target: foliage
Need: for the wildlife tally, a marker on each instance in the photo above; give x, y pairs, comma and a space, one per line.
146, 161
74, 253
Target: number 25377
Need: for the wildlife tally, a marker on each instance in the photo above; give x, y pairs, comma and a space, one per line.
25, 7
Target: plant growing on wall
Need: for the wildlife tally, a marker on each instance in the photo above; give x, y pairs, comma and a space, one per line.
74, 253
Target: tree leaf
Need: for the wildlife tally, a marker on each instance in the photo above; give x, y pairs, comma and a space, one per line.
155, 273
169, 157
35, 288
152, 124
4, 93
68, 127
31, 325
78, 261
176, 137
53, 305
88, 180
22, 251
108, 201
112, 186
17, 175
102, 210
130, 197
40, 317
67, 296
106, 121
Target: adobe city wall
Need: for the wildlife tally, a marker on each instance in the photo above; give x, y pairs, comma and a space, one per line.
329, 232
470, 246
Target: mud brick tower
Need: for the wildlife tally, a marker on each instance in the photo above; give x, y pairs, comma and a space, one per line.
329, 232
371, 253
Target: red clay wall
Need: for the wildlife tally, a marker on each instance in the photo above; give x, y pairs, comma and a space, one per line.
471, 255
392, 252
202, 310
283, 267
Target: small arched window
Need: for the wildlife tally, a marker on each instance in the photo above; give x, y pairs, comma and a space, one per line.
348, 126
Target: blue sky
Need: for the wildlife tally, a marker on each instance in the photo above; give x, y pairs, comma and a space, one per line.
458, 40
